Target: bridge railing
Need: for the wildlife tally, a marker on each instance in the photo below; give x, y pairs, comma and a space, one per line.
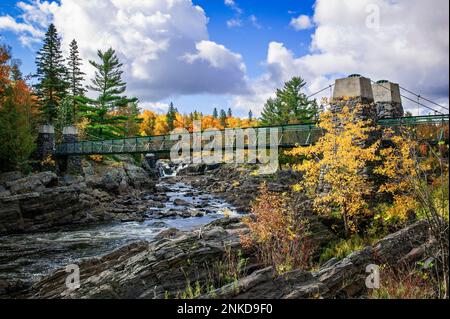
426, 127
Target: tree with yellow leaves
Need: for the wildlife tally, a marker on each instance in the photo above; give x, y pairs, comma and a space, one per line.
148, 123
338, 160
399, 166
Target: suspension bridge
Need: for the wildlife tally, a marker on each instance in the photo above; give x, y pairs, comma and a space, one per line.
431, 128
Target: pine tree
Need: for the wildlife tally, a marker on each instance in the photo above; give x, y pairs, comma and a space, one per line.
76, 77
51, 74
230, 113
171, 116
250, 115
104, 113
108, 81
215, 113
269, 115
290, 105
223, 118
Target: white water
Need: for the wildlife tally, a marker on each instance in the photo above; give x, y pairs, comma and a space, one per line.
30, 256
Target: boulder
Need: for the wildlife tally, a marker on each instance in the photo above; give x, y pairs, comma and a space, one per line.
32, 183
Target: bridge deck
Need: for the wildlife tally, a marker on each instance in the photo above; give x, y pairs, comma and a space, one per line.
434, 128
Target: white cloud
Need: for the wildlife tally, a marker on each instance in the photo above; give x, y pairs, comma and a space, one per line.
152, 40
302, 22
232, 23
155, 106
28, 33
236, 21
401, 50
255, 22
233, 5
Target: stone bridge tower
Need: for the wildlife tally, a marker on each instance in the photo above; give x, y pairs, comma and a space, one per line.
387, 99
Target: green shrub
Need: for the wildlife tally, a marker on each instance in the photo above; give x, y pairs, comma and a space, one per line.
342, 248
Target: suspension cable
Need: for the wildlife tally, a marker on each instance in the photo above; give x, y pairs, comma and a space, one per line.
416, 102
424, 98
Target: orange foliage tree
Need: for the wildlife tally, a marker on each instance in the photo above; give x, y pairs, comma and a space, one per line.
16, 113
279, 236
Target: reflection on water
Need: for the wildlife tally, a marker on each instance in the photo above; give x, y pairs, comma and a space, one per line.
30, 256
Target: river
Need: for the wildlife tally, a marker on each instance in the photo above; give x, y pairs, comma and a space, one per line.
30, 256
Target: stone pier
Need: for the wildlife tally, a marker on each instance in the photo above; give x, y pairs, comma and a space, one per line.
46, 148
71, 164
387, 99
353, 91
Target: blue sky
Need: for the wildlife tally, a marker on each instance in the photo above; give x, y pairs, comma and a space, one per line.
235, 53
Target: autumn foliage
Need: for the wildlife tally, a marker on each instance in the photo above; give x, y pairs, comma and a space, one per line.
17, 112
336, 162
279, 236
156, 124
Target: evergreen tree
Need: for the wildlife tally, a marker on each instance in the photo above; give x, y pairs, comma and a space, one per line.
230, 113
223, 118
51, 74
171, 117
215, 113
250, 115
270, 114
76, 77
290, 105
104, 113
108, 81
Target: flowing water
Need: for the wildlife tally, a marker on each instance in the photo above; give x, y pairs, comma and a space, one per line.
30, 256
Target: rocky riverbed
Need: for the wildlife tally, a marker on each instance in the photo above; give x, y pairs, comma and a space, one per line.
133, 236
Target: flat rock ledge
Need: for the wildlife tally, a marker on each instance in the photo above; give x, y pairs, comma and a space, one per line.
156, 269
162, 268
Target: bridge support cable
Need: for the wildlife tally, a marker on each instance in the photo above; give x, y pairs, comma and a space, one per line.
409, 99
424, 98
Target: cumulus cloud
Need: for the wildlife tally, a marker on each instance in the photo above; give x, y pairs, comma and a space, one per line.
410, 46
302, 22
163, 44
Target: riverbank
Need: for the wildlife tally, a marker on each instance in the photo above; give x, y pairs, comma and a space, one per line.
140, 214
107, 191
187, 244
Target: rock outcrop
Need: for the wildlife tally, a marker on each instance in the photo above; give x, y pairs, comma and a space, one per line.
165, 267
335, 279
159, 269
44, 200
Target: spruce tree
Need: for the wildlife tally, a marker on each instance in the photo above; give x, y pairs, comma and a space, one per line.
215, 113
290, 105
104, 112
171, 117
76, 77
51, 74
223, 118
230, 113
250, 115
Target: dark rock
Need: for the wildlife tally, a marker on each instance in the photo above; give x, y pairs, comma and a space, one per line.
181, 202
32, 183
147, 270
